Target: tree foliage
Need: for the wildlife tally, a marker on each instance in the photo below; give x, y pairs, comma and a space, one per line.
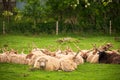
73, 15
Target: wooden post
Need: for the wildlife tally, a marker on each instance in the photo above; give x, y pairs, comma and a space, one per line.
3, 27
77, 1
57, 27
110, 28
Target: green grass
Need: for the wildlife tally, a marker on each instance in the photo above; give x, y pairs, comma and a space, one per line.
85, 71
20, 42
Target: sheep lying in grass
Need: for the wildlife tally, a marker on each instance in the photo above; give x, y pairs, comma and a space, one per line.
4, 57
66, 60
47, 63
17, 58
12, 57
78, 59
109, 58
47, 52
70, 62
106, 56
67, 64
34, 54
93, 57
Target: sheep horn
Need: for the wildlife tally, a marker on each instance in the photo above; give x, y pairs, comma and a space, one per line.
76, 54
90, 50
4, 50
76, 46
94, 45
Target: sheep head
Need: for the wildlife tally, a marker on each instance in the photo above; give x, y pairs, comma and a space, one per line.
42, 62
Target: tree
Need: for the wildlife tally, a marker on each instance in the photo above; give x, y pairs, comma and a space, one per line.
60, 10
33, 10
6, 14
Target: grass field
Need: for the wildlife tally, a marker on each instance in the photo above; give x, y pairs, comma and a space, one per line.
85, 71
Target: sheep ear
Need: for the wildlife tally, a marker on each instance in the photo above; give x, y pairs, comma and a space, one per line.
16, 52
38, 60
76, 54
29, 56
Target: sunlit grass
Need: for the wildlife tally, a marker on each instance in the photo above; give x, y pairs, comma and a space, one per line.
85, 71
27, 42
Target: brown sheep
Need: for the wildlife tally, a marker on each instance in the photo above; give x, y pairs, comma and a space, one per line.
109, 58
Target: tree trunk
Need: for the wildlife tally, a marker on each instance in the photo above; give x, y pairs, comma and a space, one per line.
7, 5
57, 27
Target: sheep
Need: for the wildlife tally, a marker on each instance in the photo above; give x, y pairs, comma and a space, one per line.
33, 56
47, 63
67, 65
14, 57
93, 57
3, 57
109, 58
22, 59
32, 60
78, 59
105, 47
113, 52
70, 62
59, 54
47, 52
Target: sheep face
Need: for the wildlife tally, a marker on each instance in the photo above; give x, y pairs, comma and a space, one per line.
101, 54
42, 62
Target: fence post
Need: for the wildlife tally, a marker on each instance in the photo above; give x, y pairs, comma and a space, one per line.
3, 27
110, 31
56, 27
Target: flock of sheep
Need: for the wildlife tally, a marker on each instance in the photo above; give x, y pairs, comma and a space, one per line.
66, 60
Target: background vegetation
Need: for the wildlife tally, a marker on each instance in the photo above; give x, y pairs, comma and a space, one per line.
74, 16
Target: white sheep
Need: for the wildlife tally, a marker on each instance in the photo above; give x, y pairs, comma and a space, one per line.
78, 60
47, 63
4, 57
93, 57
67, 65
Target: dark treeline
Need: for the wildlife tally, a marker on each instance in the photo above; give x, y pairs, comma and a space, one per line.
73, 16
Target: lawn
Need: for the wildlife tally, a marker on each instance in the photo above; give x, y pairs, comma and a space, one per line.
85, 71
